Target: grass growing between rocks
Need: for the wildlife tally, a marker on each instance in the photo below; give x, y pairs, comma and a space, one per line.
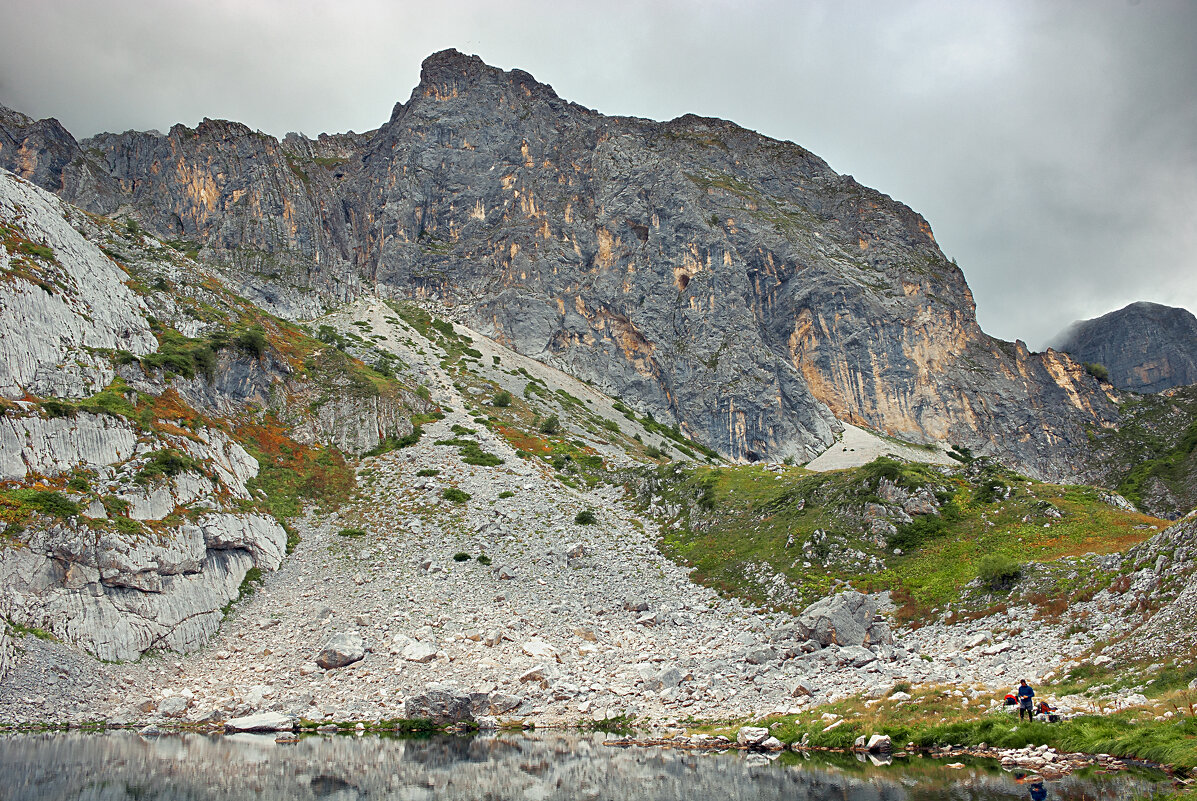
253, 577
933, 717
743, 526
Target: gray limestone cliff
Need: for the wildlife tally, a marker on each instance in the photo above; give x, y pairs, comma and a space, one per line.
116, 536
713, 277
1145, 347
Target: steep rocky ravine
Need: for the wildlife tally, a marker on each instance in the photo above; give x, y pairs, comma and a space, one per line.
710, 276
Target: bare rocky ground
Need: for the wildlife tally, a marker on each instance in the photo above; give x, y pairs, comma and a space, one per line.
568, 622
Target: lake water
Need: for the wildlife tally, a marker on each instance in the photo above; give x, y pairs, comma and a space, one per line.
123, 765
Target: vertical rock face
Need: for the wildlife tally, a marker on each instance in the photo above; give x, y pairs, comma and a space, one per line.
728, 282
42, 151
1146, 347
62, 300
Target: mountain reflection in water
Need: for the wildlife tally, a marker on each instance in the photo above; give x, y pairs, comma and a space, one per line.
124, 765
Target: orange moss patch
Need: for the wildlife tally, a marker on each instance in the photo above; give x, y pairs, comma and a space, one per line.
524, 441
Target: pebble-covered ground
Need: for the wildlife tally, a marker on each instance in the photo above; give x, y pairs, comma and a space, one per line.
568, 621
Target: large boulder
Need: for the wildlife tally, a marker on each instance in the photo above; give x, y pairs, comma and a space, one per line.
341, 650
444, 707
264, 721
752, 736
844, 619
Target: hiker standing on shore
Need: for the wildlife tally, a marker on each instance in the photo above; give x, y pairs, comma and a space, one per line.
1025, 694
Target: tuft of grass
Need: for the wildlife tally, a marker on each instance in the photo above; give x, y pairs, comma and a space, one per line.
461, 556
483, 559
19, 630
253, 577
428, 472
998, 570
17, 505
352, 532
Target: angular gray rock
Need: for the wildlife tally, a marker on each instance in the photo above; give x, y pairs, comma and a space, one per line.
174, 706
342, 649
751, 736
261, 722
443, 707
844, 619
879, 744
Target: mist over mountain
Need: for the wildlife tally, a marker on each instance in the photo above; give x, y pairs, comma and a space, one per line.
1146, 347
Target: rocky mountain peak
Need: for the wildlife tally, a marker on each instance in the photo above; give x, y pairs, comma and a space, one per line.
724, 282
1145, 347
13, 117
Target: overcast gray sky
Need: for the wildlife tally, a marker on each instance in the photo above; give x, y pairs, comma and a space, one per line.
1052, 145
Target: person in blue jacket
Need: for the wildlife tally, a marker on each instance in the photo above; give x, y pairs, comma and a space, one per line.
1025, 704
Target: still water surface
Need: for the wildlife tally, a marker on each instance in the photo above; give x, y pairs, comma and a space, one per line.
123, 765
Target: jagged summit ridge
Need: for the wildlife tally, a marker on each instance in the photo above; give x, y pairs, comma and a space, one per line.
729, 283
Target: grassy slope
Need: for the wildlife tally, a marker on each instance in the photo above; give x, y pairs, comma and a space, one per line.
934, 717
732, 518
1156, 441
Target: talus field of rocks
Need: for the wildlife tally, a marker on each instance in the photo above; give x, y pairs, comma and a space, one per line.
445, 542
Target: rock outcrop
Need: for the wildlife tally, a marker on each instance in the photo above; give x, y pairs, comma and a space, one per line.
150, 541
443, 706
1145, 347
61, 301
1159, 575
714, 278
341, 649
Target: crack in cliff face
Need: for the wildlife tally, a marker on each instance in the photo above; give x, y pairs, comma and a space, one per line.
707, 274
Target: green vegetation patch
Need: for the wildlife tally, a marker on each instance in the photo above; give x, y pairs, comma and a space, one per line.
806, 527
168, 462
18, 505
455, 495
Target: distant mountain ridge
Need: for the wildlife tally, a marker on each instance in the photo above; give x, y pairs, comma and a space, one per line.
712, 277
1145, 347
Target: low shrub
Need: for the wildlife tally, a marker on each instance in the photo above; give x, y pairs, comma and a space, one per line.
428, 472
252, 341
461, 556
585, 518
998, 570
501, 399
455, 495
168, 462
